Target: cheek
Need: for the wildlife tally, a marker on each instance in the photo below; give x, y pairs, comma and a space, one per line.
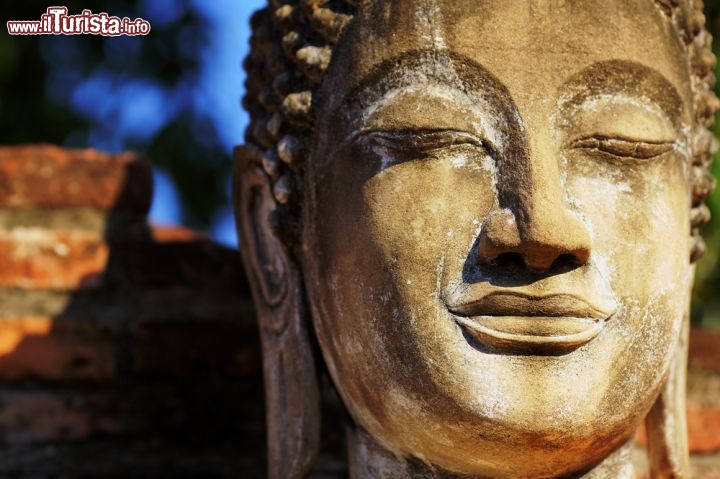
639, 221
413, 220
379, 246
423, 216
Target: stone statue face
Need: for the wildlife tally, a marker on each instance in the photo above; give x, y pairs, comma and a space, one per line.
496, 227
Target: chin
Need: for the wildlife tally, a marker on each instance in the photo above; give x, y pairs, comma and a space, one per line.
553, 413
512, 453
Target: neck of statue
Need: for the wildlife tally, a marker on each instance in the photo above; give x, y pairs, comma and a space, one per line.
369, 460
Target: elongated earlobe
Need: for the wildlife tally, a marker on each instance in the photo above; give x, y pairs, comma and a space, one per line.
666, 423
291, 385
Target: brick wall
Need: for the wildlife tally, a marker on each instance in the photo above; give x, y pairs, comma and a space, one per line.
124, 349
131, 351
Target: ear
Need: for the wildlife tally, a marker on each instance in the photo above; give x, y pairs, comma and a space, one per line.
291, 385
666, 423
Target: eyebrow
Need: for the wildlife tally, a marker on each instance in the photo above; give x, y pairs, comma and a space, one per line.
418, 69
621, 76
421, 66
405, 73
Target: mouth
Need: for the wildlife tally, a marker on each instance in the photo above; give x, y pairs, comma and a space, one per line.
518, 323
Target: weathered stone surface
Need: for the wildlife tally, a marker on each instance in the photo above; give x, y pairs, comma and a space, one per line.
484, 208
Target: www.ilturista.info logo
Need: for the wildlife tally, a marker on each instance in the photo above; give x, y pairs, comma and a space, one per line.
56, 21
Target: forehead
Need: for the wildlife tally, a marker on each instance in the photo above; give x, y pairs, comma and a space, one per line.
532, 46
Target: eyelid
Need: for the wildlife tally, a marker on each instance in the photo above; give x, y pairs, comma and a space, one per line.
423, 139
623, 147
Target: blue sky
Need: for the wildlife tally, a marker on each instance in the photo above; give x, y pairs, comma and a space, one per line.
133, 110
219, 93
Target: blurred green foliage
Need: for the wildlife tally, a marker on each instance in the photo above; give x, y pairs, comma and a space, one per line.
706, 297
37, 79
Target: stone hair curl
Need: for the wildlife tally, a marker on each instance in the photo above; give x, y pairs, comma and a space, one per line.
291, 48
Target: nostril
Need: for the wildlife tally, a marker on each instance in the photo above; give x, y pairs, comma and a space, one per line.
509, 262
517, 263
565, 262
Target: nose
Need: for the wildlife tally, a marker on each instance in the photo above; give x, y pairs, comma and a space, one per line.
534, 222
560, 239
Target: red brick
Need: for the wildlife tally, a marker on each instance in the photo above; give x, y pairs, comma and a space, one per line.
175, 234
703, 427
46, 176
705, 349
34, 258
195, 349
55, 350
37, 416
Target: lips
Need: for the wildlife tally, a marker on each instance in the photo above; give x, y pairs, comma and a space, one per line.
514, 322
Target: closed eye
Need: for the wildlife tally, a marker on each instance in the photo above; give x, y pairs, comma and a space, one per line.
623, 147
422, 140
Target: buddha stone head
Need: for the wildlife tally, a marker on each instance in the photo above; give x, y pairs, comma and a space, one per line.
485, 214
